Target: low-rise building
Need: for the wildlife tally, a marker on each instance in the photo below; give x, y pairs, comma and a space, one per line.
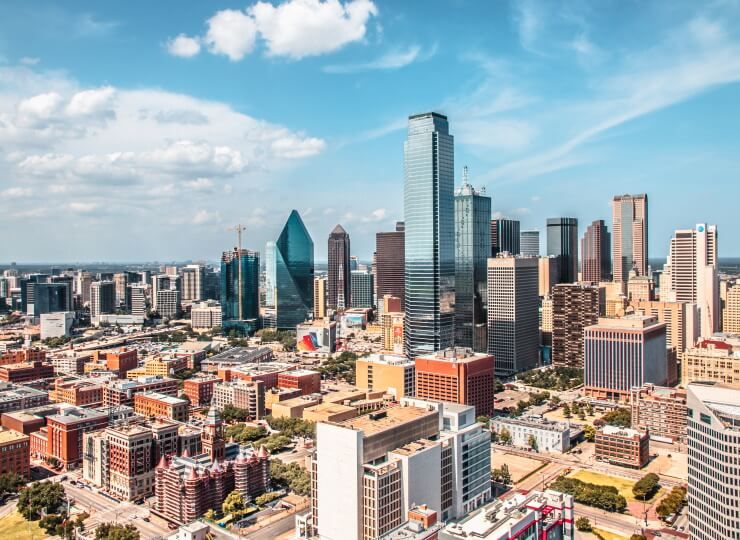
715, 359
329, 412
622, 446
547, 514
159, 367
200, 389
293, 408
123, 392
394, 374
118, 361
34, 371
237, 356
61, 438
535, 432
247, 395
21, 356
316, 336
660, 411
205, 315
80, 392
278, 395
156, 405
14, 397
70, 362
306, 380
56, 324
15, 453
421, 524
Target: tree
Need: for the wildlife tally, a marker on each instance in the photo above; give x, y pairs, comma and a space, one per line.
52, 462
618, 417
671, 503
583, 524
483, 419
504, 436
532, 442
598, 496
589, 433
502, 475
115, 531
210, 515
291, 476
646, 486
266, 498
590, 409
234, 504
10, 483
566, 411
494, 436
41, 496
234, 414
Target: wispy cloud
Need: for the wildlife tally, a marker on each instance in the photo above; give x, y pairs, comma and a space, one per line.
395, 59
529, 20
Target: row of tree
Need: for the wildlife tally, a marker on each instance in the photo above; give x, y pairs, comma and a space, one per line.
557, 378
672, 503
598, 496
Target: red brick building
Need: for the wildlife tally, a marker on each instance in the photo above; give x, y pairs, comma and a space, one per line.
15, 453
120, 361
62, 436
457, 375
77, 392
200, 390
622, 446
122, 392
307, 381
28, 372
156, 405
19, 356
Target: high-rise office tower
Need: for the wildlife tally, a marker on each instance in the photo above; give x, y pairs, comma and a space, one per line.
596, 262
529, 243
429, 211
319, 297
68, 280
574, 307
549, 274
83, 281
193, 277
714, 444
505, 236
121, 280
693, 267
48, 298
293, 274
472, 246
240, 289
162, 282
339, 284
389, 262
513, 303
102, 300
270, 274
731, 313
168, 303
630, 230
362, 289
137, 297
562, 241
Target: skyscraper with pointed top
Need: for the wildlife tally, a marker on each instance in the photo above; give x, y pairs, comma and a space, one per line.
294, 269
429, 211
339, 282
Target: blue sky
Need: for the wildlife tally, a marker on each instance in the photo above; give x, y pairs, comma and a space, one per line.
143, 130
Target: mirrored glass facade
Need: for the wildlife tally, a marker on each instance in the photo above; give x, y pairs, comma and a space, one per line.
293, 274
562, 240
250, 269
472, 247
429, 213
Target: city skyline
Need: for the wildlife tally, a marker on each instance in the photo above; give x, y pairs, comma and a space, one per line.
213, 149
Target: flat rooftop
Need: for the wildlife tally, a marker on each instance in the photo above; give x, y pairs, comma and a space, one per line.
164, 398
77, 415
9, 436
372, 423
387, 360
455, 354
414, 447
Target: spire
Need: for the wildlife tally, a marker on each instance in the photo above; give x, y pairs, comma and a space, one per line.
192, 475
162, 462
186, 453
338, 230
263, 452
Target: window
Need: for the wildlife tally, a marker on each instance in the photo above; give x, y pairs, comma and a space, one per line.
705, 418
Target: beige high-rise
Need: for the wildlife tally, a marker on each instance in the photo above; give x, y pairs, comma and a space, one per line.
731, 316
629, 235
681, 319
319, 298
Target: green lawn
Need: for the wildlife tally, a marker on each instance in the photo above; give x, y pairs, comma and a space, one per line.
624, 485
16, 527
608, 535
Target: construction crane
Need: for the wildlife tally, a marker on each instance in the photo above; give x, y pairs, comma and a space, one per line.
239, 228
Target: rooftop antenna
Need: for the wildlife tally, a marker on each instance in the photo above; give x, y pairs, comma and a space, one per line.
238, 228
465, 175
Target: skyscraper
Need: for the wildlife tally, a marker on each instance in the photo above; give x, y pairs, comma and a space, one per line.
338, 293
102, 300
693, 267
193, 277
472, 246
630, 229
389, 262
429, 212
319, 297
505, 236
294, 274
362, 289
270, 274
529, 243
513, 302
574, 307
562, 240
596, 263
240, 290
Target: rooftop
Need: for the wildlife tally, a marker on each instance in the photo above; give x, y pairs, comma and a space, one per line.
387, 360
8, 436
534, 421
71, 416
455, 354
376, 422
629, 322
621, 432
164, 398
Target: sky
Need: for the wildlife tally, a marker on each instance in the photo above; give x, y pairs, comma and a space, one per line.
140, 131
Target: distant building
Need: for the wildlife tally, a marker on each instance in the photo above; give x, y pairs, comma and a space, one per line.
389, 373
317, 336
548, 435
660, 411
529, 243
715, 359
14, 397
193, 282
548, 514
156, 405
574, 307
630, 229
681, 320
505, 236
102, 300
622, 446
459, 376
294, 274
548, 273
247, 395
596, 257
731, 312
319, 297
389, 263
562, 241
362, 289
199, 390
58, 324
206, 315
168, 303
118, 361
620, 354
392, 325
339, 284
26, 372
79, 392
240, 290
121, 392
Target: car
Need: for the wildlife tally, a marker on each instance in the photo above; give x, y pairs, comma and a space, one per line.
146, 519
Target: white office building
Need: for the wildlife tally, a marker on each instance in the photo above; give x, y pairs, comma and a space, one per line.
57, 324
549, 436
713, 413
205, 315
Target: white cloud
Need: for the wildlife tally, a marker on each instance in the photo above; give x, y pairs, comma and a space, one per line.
395, 59
202, 217
505, 134
200, 184
295, 146
16, 193
82, 207
587, 51
183, 46
29, 61
88, 103
294, 29
231, 33
529, 21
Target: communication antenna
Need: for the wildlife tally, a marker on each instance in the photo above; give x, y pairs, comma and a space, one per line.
238, 228
465, 175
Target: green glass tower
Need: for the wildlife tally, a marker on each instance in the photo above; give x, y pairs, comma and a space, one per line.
240, 304
293, 274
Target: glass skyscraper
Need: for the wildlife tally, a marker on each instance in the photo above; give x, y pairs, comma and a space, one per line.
429, 212
293, 274
338, 296
472, 247
270, 272
562, 240
240, 304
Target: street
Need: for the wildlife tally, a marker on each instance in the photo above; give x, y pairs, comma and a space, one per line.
274, 530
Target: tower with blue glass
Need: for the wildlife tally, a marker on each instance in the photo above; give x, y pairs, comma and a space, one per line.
294, 271
429, 214
240, 290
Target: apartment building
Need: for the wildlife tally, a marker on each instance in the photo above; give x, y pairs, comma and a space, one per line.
390, 373
713, 359
622, 446
247, 395
660, 411
156, 405
574, 307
